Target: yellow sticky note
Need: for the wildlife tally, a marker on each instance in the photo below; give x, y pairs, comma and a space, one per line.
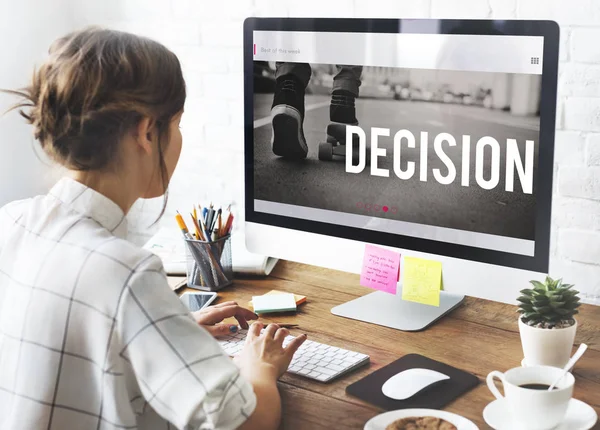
421, 281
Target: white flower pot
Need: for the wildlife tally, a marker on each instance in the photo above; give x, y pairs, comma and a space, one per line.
547, 347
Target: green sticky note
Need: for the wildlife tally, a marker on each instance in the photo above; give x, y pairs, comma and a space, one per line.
422, 281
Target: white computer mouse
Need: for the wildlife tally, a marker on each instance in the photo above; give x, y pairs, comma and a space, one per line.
409, 382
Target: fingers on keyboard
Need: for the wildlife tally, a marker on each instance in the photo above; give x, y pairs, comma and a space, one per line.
311, 359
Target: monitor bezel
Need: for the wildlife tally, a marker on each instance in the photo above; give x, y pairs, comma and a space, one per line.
549, 30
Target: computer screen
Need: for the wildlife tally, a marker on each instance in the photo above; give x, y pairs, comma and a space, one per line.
449, 128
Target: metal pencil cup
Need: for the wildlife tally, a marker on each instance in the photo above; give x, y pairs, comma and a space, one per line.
208, 264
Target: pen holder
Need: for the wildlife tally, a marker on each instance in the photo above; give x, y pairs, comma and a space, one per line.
208, 264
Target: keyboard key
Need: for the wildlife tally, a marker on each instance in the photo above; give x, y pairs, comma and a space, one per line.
322, 378
314, 374
334, 367
325, 371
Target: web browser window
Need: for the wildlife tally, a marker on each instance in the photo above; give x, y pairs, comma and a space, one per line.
444, 137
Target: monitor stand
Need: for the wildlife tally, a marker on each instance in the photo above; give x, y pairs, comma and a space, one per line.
391, 311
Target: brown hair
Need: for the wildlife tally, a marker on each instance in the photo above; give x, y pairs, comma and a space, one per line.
95, 86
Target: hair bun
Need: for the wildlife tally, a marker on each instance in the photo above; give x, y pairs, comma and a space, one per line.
95, 85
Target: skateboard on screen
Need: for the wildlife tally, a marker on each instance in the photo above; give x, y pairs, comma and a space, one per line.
335, 145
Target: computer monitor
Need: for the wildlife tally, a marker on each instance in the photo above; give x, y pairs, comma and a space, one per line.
451, 153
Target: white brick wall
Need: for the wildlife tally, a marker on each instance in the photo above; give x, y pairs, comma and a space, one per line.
207, 35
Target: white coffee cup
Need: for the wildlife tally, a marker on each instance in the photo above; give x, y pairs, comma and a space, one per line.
529, 408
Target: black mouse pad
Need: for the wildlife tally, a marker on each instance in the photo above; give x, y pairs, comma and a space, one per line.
435, 396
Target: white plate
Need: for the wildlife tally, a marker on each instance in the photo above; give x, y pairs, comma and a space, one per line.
381, 421
580, 416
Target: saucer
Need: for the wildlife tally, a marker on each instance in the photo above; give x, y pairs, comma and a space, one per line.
579, 416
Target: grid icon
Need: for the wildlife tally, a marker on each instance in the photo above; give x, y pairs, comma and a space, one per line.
535, 60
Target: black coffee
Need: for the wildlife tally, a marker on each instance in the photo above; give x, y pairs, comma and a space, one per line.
536, 387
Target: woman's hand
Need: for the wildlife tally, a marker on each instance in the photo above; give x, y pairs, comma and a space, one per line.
210, 318
263, 356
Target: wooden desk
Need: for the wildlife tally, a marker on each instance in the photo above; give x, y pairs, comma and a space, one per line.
479, 337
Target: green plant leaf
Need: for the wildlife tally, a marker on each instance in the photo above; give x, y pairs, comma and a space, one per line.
526, 292
534, 321
557, 305
540, 303
538, 285
524, 299
526, 308
542, 309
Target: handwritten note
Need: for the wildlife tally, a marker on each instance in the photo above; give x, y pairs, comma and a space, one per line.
422, 281
380, 269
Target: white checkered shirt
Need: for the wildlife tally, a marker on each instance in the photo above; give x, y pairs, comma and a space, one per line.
91, 336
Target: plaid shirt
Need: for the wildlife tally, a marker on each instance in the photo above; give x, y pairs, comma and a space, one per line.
91, 336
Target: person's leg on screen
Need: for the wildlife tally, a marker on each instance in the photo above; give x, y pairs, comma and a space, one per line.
287, 111
344, 93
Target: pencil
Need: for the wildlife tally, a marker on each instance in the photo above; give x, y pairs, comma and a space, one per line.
229, 224
197, 227
182, 226
219, 223
223, 231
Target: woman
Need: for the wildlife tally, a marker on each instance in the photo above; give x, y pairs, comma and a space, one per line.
91, 336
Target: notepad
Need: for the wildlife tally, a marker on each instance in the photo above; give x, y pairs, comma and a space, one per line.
422, 281
274, 303
299, 299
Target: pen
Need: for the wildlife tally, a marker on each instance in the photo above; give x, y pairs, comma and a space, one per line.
209, 217
205, 230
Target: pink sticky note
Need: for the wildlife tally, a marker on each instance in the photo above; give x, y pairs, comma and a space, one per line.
380, 269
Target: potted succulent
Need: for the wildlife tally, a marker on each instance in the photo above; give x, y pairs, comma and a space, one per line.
547, 324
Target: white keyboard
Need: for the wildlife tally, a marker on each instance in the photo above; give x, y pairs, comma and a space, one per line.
313, 360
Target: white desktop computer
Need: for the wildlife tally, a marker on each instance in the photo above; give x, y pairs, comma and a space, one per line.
449, 126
